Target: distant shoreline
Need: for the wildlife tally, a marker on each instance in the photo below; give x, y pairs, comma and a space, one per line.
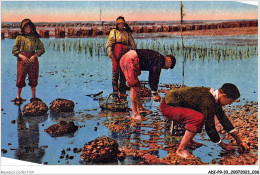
219, 32
102, 29
136, 22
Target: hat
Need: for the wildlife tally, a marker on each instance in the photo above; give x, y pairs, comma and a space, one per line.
25, 21
173, 60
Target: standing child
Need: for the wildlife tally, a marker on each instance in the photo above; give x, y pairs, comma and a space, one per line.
27, 48
196, 106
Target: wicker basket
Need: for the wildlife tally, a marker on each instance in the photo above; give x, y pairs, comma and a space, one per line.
113, 104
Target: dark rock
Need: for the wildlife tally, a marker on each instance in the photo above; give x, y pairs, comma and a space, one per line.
95, 128
71, 157
62, 105
121, 156
61, 157
9, 144
82, 126
77, 150
45, 163
35, 108
62, 128
100, 150
4, 151
13, 121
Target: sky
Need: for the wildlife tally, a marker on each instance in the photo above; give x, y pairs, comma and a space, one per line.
60, 11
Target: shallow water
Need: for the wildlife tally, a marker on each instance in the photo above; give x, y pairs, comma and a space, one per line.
71, 75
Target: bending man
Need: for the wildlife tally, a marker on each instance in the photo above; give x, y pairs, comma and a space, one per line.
135, 61
195, 106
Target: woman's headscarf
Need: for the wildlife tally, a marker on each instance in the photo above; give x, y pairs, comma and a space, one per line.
28, 22
122, 19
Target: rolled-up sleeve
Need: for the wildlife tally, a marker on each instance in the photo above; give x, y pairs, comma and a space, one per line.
17, 45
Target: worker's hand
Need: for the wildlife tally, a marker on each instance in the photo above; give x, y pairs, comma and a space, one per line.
243, 147
227, 147
111, 54
156, 97
32, 59
24, 58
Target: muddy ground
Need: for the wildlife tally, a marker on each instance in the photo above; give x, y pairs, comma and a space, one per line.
243, 117
143, 142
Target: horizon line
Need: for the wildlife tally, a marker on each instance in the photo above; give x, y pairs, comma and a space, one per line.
134, 21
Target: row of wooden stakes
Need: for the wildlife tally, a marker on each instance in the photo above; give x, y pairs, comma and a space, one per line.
63, 32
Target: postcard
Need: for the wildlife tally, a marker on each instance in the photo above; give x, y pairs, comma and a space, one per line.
127, 84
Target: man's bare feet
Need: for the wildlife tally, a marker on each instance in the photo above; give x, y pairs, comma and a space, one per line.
137, 117
144, 111
184, 154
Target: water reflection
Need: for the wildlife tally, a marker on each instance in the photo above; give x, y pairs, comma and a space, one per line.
56, 117
29, 137
118, 128
134, 140
125, 133
61, 118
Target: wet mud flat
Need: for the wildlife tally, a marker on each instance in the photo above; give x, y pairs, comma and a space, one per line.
146, 142
244, 118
